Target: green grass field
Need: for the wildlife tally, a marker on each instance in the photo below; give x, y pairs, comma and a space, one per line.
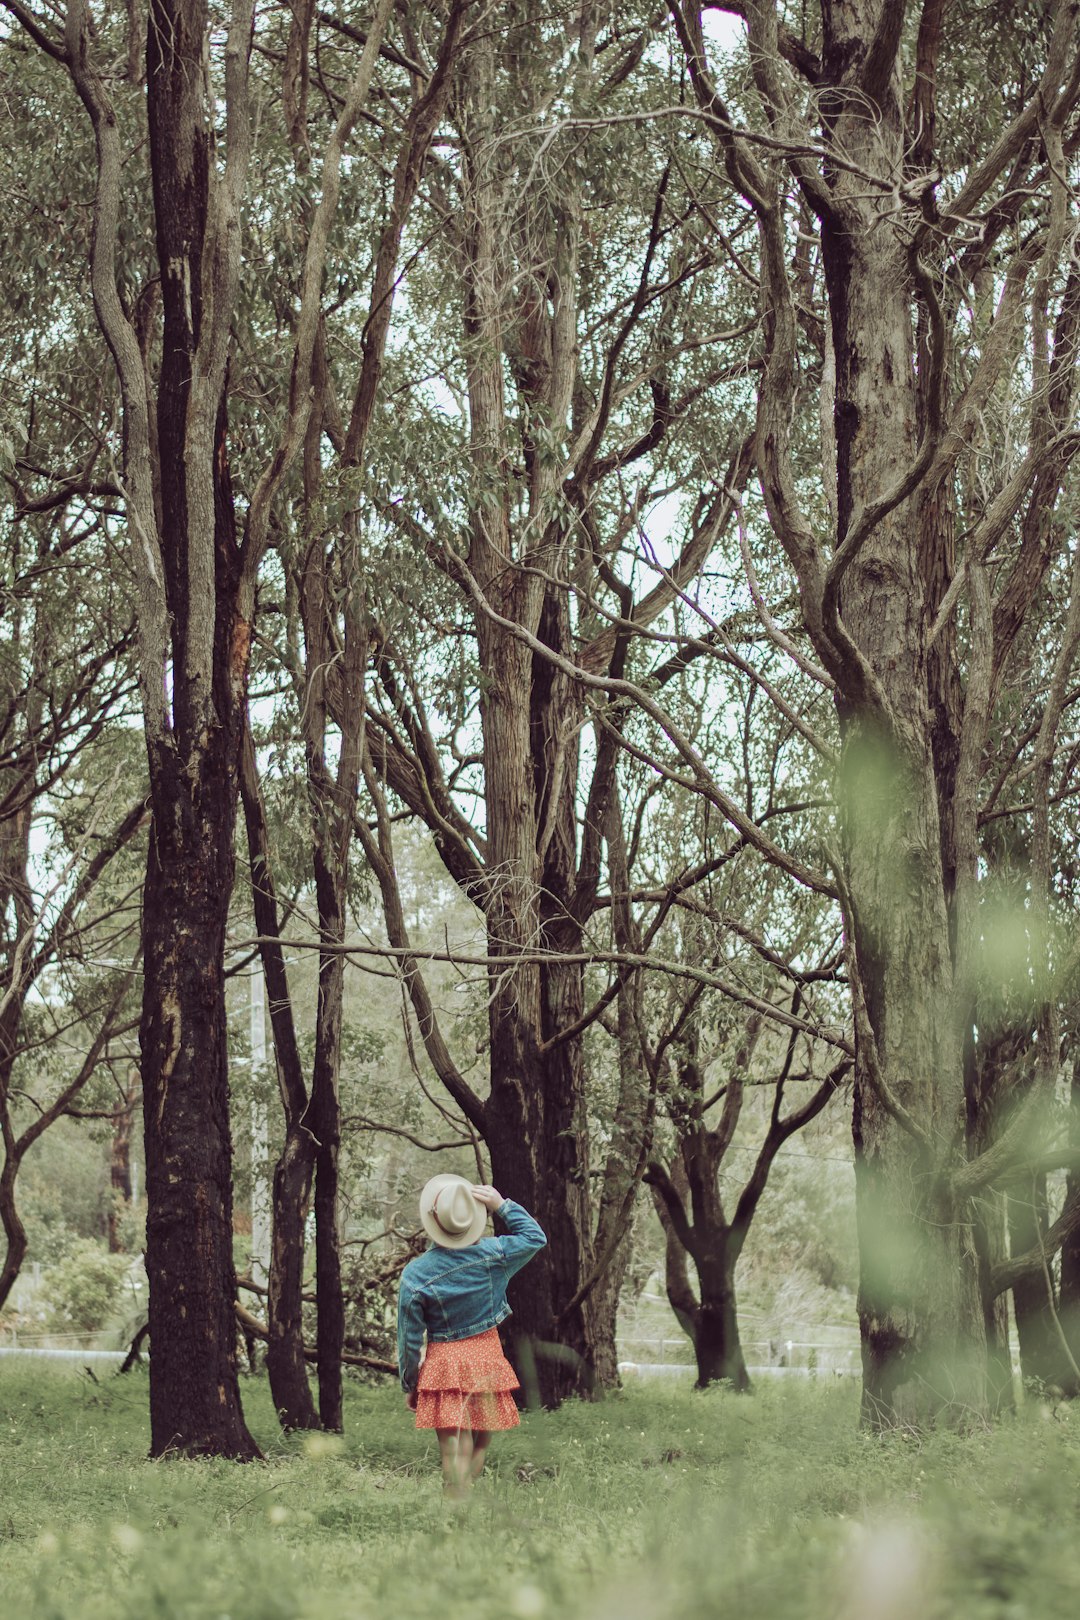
656, 1503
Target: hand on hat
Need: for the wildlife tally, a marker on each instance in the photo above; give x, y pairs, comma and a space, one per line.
488, 1196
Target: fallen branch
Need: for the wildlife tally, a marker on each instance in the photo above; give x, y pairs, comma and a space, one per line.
351, 1358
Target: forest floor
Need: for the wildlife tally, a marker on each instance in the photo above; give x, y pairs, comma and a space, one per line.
657, 1504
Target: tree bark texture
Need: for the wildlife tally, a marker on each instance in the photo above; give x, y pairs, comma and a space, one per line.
194, 751
535, 1117
1034, 1296
1070, 1249
286, 1362
534, 1120
921, 1321
709, 1315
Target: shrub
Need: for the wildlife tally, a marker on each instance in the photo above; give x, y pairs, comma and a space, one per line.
84, 1288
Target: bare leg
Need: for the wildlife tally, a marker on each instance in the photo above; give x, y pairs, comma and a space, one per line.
480, 1441
456, 1451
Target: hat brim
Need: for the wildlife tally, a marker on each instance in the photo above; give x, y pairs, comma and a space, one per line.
448, 1240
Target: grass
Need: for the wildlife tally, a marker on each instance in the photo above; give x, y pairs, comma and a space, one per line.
657, 1504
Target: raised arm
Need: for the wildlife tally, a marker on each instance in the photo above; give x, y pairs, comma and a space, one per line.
524, 1238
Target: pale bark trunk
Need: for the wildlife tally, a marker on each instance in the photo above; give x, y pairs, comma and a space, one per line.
535, 1120
921, 1320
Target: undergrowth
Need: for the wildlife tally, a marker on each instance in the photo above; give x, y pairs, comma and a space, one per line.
658, 1503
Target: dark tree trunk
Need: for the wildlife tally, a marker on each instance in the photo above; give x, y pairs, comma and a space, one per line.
194, 761
1042, 1358
194, 1391
15, 904
286, 1365
323, 1120
325, 1123
717, 1347
708, 1317
333, 802
14, 1231
550, 1361
285, 1362
1070, 1249
537, 1130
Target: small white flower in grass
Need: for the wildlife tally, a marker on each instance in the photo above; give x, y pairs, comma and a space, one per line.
126, 1538
277, 1514
527, 1602
48, 1545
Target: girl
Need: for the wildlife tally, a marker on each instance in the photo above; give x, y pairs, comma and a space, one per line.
456, 1293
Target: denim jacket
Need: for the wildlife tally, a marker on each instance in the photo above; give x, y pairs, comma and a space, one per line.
454, 1293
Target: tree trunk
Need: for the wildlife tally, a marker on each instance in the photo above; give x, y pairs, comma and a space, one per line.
333, 802
1070, 1249
14, 1230
323, 1118
194, 1391
537, 1133
988, 1072
717, 1346
989, 1230
602, 1316
920, 1312
193, 750
709, 1318
286, 1364
1042, 1360
551, 1362
920, 1315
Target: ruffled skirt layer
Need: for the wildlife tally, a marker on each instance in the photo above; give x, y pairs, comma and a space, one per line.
467, 1384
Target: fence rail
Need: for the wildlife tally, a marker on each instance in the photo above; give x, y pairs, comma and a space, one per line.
809, 1355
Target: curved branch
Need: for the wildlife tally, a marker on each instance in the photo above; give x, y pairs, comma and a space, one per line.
703, 781
380, 855
37, 30
350, 1358
1030, 1264
361, 1122
656, 1176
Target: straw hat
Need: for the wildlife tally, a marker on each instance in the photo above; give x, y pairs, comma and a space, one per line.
449, 1213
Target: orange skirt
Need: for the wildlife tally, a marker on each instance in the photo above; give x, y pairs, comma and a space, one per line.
466, 1384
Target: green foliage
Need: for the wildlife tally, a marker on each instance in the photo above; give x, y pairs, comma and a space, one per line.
806, 1222
61, 1191
84, 1288
658, 1504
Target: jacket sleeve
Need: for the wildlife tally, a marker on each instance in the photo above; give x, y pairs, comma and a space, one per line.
410, 1336
524, 1236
